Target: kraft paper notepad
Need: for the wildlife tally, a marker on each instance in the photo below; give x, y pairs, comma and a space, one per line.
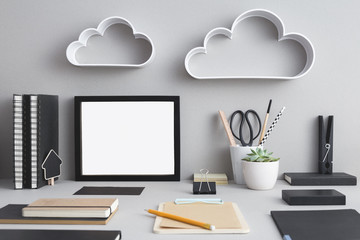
226, 217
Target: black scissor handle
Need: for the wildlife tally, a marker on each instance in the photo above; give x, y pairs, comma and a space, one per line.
249, 123
242, 117
245, 117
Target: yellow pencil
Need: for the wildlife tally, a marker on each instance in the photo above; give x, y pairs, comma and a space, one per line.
181, 219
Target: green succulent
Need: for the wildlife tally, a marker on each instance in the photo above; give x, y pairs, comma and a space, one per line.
260, 155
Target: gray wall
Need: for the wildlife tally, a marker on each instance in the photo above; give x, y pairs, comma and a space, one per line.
34, 36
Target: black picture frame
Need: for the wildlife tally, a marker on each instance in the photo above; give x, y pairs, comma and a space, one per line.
82, 102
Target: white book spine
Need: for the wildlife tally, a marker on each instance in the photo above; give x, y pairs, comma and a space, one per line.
34, 139
18, 140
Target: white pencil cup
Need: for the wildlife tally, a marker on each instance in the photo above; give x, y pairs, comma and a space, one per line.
237, 153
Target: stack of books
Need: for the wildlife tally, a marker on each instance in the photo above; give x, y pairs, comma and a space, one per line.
219, 178
35, 133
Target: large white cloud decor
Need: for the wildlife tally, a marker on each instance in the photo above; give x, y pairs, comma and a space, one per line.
87, 34
238, 53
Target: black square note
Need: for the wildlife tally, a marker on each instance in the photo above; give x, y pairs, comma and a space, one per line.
110, 191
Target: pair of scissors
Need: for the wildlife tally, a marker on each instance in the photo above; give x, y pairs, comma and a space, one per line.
244, 117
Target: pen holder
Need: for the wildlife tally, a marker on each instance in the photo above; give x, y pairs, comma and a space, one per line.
237, 153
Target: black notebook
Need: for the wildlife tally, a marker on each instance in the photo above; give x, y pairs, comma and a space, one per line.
313, 197
20, 234
109, 191
36, 132
317, 179
12, 214
318, 224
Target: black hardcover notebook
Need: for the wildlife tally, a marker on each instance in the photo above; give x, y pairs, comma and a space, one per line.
12, 214
47, 133
313, 197
318, 224
36, 132
20, 234
317, 179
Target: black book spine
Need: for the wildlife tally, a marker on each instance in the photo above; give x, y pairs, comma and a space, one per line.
26, 142
47, 131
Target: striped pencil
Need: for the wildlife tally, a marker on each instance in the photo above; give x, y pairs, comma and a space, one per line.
272, 127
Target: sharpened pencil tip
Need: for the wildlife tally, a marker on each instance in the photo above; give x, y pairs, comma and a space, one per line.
269, 106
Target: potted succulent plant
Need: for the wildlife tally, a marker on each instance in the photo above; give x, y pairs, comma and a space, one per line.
260, 169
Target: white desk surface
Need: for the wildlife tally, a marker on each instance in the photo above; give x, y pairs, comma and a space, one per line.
135, 223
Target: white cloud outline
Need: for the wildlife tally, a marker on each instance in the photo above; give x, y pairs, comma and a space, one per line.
304, 41
100, 30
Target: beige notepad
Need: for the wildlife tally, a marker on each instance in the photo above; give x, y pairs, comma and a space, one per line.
226, 218
71, 207
219, 178
75, 202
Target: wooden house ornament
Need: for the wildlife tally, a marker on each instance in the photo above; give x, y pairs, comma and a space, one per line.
51, 166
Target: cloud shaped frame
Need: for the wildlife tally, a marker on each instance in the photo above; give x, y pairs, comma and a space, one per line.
301, 39
100, 30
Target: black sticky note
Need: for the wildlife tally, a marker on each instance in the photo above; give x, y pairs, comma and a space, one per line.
110, 191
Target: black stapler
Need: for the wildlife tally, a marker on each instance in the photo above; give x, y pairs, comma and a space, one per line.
326, 145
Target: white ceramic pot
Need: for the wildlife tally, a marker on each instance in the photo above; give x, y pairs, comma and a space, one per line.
260, 175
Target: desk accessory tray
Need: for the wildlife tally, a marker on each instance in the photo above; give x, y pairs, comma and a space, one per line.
301, 39
313, 197
100, 31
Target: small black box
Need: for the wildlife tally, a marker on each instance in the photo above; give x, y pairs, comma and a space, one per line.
313, 197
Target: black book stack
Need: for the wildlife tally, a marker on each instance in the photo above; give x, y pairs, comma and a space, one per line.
36, 132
